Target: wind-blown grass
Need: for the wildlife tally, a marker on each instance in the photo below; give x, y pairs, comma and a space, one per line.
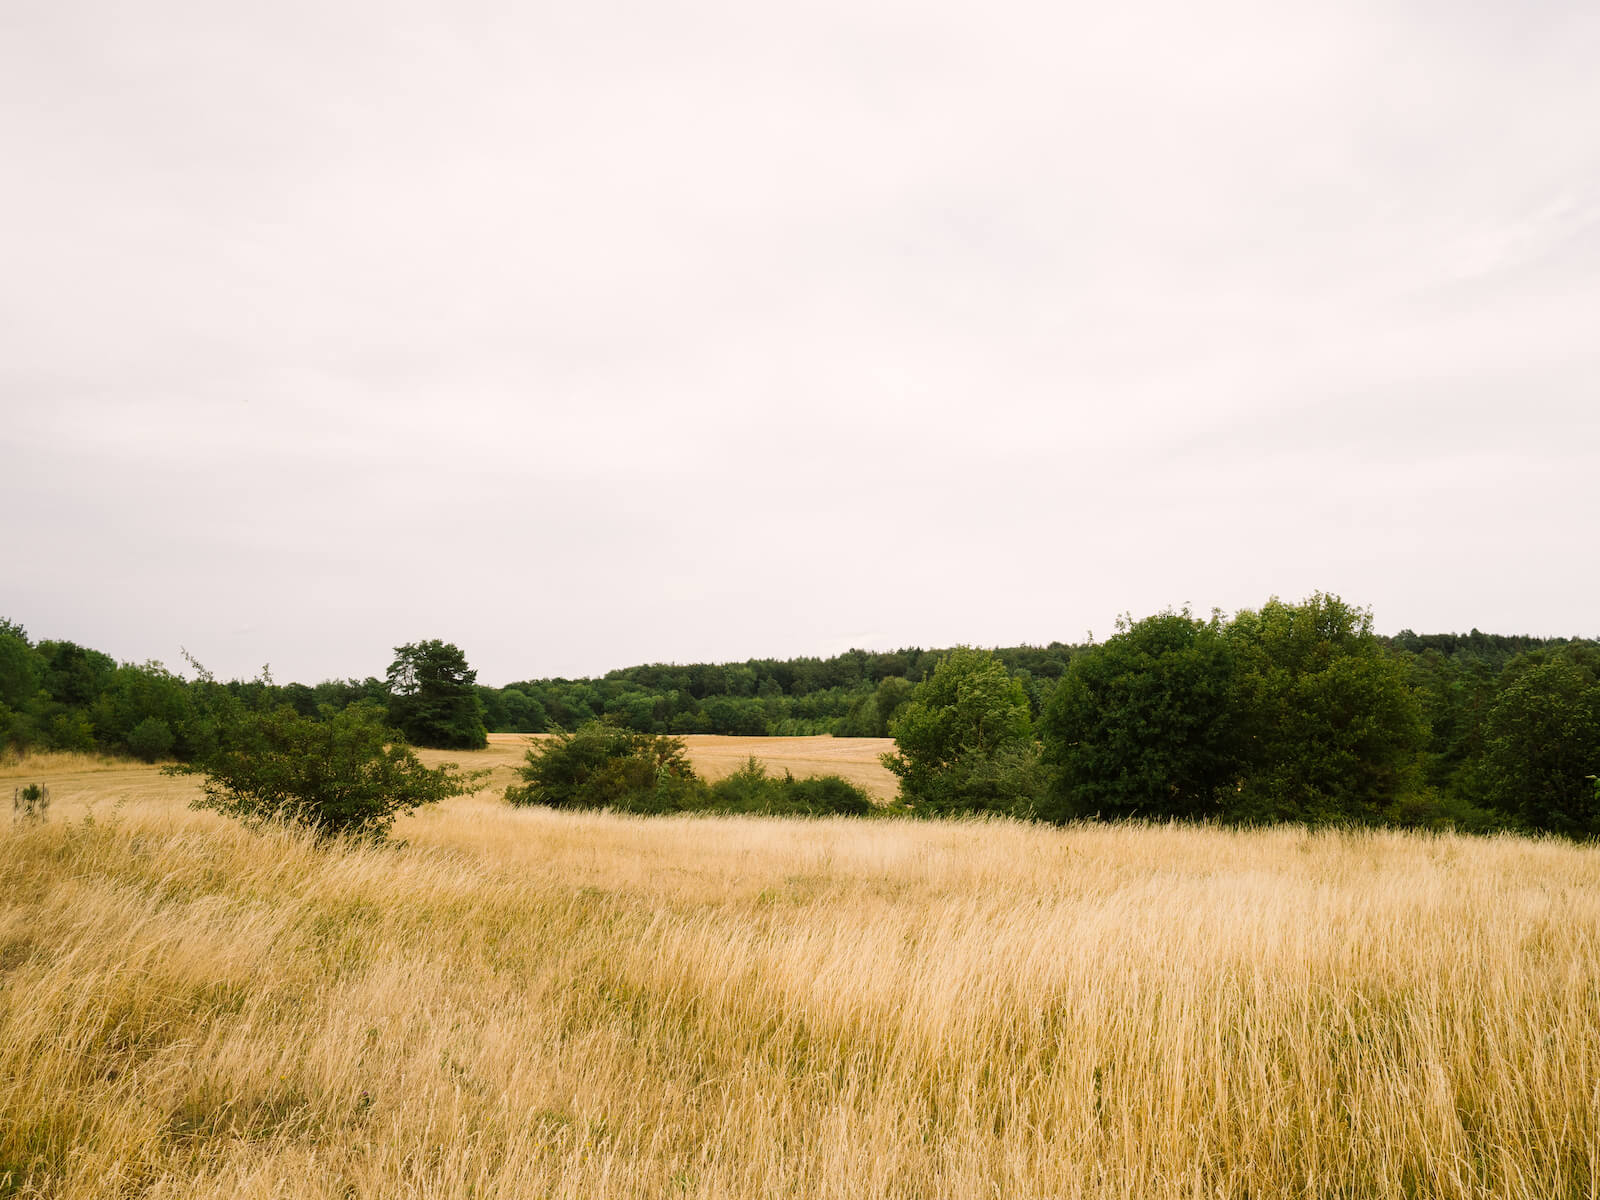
521, 1003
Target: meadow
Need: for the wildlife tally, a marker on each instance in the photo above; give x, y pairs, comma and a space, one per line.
523, 1003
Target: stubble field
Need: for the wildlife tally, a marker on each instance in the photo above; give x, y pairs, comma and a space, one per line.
527, 1004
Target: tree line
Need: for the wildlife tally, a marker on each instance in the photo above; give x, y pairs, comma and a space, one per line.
1286, 712
854, 694
57, 695
1289, 712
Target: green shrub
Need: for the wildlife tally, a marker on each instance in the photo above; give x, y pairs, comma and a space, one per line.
1440, 811
151, 738
71, 731
18, 731
349, 773
607, 766
828, 795
751, 790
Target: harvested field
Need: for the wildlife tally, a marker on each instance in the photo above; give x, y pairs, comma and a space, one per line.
79, 780
856, 759
716, 757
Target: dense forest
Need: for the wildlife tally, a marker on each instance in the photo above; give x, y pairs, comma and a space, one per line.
1436, 714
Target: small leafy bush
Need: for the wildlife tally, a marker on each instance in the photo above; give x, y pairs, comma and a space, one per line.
606, 766
751, 790
349, 773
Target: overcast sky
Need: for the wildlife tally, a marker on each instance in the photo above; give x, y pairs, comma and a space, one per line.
588, 334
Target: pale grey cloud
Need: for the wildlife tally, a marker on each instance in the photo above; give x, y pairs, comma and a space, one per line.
584, 335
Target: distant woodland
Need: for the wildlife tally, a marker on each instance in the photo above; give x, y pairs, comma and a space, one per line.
1173, 716
58, 695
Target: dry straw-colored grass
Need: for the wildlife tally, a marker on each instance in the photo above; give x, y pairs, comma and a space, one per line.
531, 1004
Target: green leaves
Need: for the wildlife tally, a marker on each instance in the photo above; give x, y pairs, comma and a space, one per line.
1293, 712
1143, 724
432, 699
1543, 744
964, 741
607, 766
347, 774
1331, 728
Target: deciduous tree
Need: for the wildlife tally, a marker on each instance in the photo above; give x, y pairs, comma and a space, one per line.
1143, 724
1543, 743
1331, 729
964, 741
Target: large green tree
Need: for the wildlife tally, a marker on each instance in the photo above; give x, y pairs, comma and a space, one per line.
1331, 729
1143, 724
1543, 742
964, 740
432, 698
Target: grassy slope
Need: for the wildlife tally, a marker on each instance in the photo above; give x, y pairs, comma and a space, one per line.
534, 1004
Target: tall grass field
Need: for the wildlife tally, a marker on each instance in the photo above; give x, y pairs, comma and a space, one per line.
520, 1003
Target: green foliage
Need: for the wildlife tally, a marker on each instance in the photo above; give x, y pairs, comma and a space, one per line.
72, 674
1455, 693
1324, 721
18, 730
151, 738
891, 695
603, 765
148, 697
1143, 725
432, 699
1543, 743
606, 766
824, 795
1296, 712
71, 730
751, 789
854, 694
964, 740
1428, 808
872, 712
512, 710
1331, 729
20, 666
347, 774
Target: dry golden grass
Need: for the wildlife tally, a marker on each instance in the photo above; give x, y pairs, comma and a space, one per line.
80, 781
530, 1004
